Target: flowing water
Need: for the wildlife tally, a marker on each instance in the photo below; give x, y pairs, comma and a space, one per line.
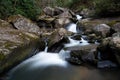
52, 66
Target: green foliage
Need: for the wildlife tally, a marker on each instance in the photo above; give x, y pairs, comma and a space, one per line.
107, 7
26, 8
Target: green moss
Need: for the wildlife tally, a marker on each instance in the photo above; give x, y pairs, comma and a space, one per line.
26, 8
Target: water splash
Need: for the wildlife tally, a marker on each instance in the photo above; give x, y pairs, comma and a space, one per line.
64, 54
79, 17
73, 42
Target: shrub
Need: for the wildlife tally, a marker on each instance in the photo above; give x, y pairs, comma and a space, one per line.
107, 7
26, 8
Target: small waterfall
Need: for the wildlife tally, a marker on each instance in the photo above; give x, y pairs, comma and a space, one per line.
83, 42
46, 46
46, 49
64, 54
72, 28
73, 42
78, 17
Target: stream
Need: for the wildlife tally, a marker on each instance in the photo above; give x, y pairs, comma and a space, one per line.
53, 66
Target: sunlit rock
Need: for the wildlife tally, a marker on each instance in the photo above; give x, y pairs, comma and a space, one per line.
21, 23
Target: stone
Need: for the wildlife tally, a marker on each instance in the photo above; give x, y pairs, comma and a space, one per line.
21, 23
116, 27
87, 13
115, 45
84, 53
102, 30
49, 11
109, 49
62, 22
16, 45
87, 26
57, 35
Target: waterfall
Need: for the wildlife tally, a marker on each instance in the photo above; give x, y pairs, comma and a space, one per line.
46, 46
72, 28
78, 17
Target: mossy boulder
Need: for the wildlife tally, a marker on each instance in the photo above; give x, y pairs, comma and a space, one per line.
16, 45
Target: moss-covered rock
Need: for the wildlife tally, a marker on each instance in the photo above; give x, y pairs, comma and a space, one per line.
16, 45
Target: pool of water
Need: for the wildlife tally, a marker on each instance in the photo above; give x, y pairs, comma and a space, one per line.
50, 66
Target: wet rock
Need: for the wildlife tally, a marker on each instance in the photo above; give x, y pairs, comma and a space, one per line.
57, 36
21, 23
74, 61
102, 30
86, 54
106, 64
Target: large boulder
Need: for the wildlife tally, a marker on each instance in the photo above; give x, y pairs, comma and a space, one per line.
16, 45
87, 25
57, 37
110, 49
85, 53
102, 30
21, 23
56, 17
62, 22
115, 45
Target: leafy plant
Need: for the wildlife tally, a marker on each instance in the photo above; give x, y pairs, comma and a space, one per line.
26, 8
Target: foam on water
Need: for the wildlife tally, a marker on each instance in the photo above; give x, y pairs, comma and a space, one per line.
73, 42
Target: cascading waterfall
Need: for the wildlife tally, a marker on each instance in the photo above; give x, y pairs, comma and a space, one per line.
52, 66
73, 26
